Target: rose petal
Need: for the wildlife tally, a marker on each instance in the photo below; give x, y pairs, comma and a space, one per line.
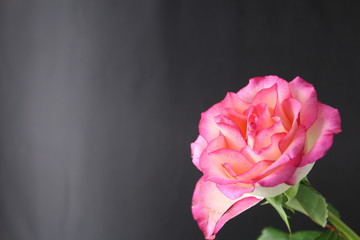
256, 84
265, 119
268, 96
239, 119
299, 174
284, 167
319, 136
292, 109
197, 148
265, 192
207, 125
305, 93
239, 207
280, 113
258, 119
231, 132
263, 139
212, 165
216, 144
272, 152
258, 168
233, 101
279, 174
211, 209
235, 190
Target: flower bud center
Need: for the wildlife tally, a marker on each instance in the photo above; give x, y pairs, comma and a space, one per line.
252, 122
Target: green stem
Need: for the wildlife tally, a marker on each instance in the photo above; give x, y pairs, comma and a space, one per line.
342, 227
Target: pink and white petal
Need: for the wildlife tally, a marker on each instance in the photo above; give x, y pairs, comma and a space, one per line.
263, 138
283, 89
238, 118
256, 84
280, 113
305, 93
235, 190
265, 119
255, 171
197, 148
265, 192
268, 96
252, 154
216, 144
299, 174
272, 152
280, 174
231, 132
239, 207
233, 101
207, 125
292, 109
212, 209
294, 150
319, 136
212, 165
284, 167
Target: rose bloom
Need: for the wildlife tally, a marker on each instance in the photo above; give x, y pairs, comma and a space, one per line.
257, 143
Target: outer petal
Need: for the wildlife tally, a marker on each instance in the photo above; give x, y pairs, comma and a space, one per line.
233, 101
236, 190
256, 84
265, 192
299, 174
211, 209
207, 125
266, 95
319, 136
197, 148
280, 174
305, 93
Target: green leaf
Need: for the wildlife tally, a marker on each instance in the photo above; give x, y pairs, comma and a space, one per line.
310, 203
273, 234
305, 235
329, 235
291, 192
277, 203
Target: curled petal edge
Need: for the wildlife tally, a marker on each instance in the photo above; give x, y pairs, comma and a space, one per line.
212, 209
319, 136
197, 148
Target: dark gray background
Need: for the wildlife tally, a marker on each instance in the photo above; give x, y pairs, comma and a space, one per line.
99, 101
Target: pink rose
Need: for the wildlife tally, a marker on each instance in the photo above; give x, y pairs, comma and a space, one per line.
257, 143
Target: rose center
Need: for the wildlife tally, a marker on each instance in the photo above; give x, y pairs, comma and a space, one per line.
252, 122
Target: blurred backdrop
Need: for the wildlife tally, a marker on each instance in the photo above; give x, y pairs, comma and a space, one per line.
100, 100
